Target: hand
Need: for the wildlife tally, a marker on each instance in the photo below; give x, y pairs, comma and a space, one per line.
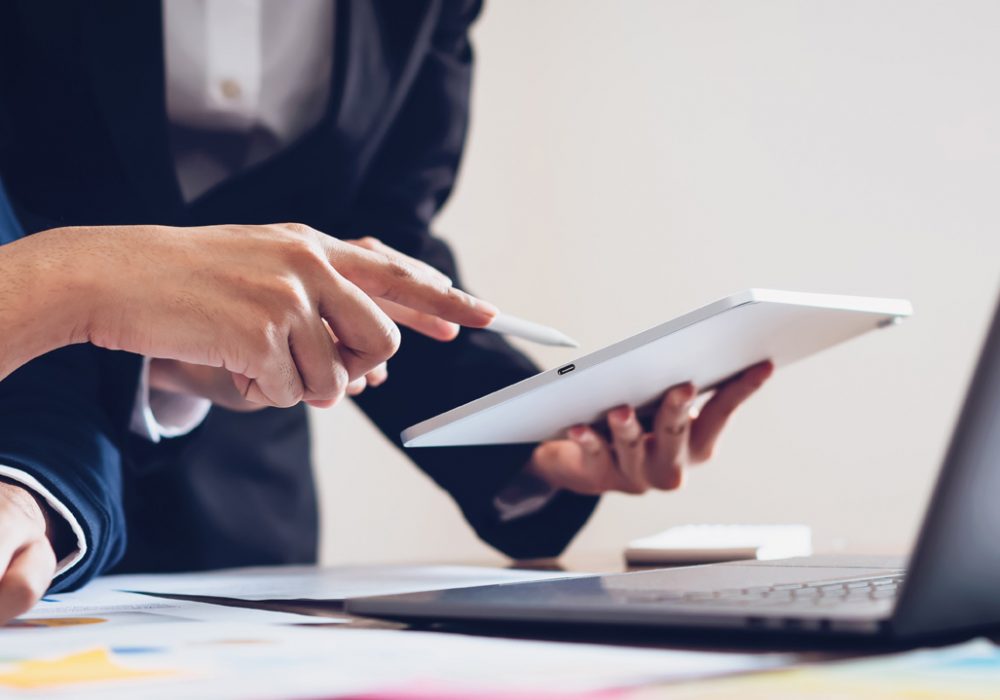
288, 311
635, 461
27, 560
217, 385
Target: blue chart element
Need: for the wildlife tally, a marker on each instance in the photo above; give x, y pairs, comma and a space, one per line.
138, 650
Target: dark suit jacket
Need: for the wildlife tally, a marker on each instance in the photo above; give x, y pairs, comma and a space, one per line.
84, 140
60, 421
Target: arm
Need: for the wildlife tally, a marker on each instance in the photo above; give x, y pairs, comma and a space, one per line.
60, 509
53, 428
37, 311
410, 179
185, 294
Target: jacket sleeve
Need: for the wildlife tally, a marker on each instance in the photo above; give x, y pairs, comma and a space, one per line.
409, 181
53, 426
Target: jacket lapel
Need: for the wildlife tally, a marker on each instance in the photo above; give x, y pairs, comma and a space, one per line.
124, 50
380, 46
376, 56
377, 50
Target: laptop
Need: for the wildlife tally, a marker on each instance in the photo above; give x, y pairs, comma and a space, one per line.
951, 584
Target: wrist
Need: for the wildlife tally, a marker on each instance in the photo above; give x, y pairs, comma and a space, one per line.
37, 307
57, 531
32, 507
81, 279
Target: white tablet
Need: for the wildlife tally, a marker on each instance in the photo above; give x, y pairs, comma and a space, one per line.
706, 346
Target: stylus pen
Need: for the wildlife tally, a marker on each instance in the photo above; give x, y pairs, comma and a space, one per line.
506, 324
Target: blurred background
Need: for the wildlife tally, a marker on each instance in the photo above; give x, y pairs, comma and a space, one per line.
630, 161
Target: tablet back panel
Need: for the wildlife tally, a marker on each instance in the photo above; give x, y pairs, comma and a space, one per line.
706, 346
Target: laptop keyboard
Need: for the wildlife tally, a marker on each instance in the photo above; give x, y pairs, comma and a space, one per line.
820, 594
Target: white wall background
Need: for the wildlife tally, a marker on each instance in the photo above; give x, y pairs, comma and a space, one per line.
632, 160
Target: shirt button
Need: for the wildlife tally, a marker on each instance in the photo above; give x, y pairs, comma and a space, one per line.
230, 89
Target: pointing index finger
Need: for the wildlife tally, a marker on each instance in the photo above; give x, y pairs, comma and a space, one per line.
398, 279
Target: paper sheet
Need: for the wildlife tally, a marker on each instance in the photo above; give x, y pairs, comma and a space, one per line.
198, 659
100, 603
323, 584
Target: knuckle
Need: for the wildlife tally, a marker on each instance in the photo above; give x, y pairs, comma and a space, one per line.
547, 453
703, 454
297, 229
259, 345
389, 342
339, 379
296, 392
290, 396
668, 479
399, 270
369, 242
260, 348
634, 489
303, 254
287, 300
332, 384
631, 442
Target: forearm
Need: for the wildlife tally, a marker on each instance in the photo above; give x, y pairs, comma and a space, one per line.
39, 307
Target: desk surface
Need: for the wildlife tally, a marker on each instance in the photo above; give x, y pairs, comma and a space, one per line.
773, 686
821, 680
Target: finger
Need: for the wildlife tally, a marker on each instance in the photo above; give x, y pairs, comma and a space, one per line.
630, 446
377, 376
280, 387
318, 361
394, 279
665, 467
427, 324
365, 336
372, 243
15, 524
357, 386
598, 463
715, 414
271, 377
26, 578
14, 535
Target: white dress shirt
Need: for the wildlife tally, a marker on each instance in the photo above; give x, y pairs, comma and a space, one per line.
258, 70
244, 79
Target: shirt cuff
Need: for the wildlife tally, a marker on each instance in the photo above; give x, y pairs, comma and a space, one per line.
31, 483
161, 414
525, 495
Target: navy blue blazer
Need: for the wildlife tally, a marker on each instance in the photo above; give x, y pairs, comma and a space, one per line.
54, 425
84, 139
